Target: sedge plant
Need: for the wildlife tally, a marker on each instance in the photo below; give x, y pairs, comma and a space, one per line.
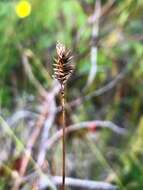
62, 71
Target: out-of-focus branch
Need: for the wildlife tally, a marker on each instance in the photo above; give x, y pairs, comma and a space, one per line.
98, 92
95, 30
21, 114
78, 101
46, 105
47, 125
70, 182
91, 125
30, 144
107, 7
31, 76
36, 132
83, 184
39, 182
108, 86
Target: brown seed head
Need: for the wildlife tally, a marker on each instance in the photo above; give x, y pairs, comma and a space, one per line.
62, 68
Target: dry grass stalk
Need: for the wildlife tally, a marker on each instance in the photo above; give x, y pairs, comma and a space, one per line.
62, 72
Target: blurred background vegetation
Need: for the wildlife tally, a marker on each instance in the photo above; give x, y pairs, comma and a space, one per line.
106, 40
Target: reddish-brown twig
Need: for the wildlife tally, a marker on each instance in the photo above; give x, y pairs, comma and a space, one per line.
95, 124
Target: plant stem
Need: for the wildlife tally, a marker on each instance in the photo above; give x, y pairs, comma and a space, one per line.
63, 139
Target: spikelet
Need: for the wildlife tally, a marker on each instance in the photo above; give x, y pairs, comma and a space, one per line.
62, 68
